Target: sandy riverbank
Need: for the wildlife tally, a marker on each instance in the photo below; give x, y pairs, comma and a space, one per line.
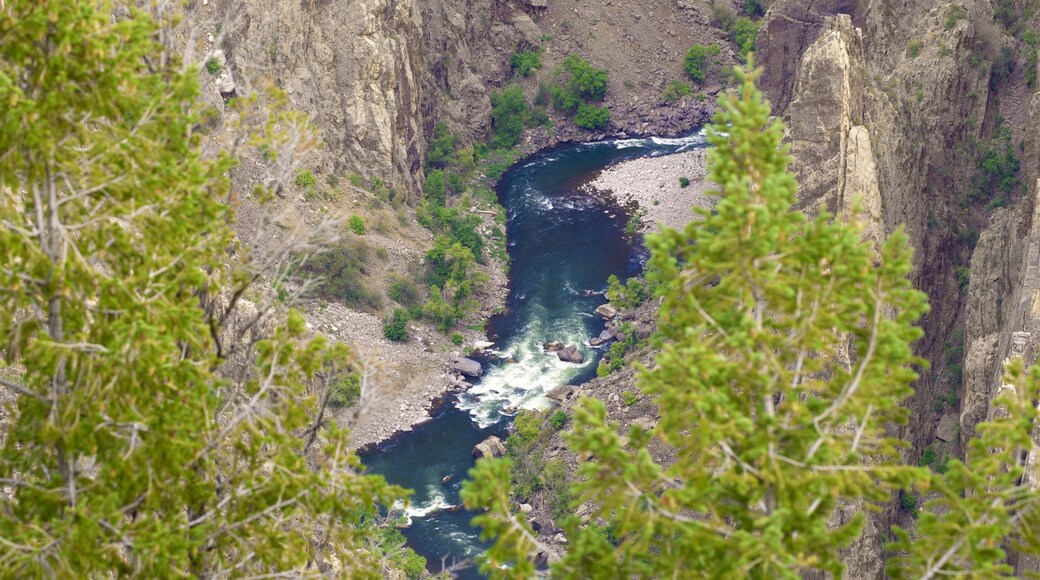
654, 184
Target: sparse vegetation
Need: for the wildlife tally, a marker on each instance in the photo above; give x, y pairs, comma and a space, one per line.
913, 48
629, 398
526, 63
212, 66
305, 179
954, 14
675, 91
684, 182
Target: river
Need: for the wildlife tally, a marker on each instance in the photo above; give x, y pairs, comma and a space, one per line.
562, 242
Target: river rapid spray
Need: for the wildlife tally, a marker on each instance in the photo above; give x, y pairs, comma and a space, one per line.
563, 243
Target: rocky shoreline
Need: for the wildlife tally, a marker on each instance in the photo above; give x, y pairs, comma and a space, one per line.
627, 122
665, 188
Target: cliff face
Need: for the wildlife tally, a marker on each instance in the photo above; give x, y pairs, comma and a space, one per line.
374, 75
886, 104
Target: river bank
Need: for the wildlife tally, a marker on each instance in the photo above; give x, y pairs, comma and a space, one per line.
665, 188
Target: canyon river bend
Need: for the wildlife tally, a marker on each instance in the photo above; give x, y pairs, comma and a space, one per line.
563, 242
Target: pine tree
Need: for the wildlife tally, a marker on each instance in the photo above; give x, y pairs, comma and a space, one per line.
981, 508
130, 449
785, 354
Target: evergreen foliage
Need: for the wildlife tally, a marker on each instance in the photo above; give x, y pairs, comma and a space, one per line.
131, 449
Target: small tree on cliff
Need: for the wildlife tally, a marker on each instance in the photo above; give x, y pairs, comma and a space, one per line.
130, 448
786, 353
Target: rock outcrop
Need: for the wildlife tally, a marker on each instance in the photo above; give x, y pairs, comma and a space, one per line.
489, 448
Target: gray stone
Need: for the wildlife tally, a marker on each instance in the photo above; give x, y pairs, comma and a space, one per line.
526, 508
468, 367
607, 311
947, 429
489, 448
561, 393
552, 346
571, 354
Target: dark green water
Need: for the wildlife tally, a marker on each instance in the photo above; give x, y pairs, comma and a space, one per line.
562, 242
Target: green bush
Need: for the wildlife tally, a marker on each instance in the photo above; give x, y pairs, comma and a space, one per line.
305, 179
442, 147
356, 225
755, 8
629, 398
997, 175
629, 295
908, 502
581, 83
404, 290
586, 82
743, 35
558, 420
457, 338
913, 49
395, 328
525, 63
1031, 38
527, 428
509, 115
1003, 66
212, 66
700, 60
684, 182
954, 14
412, 564
675, 91
592, 117
436, 187
347, 391
342, 271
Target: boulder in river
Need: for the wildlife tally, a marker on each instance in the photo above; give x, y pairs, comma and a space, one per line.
596, 341
571, 354
483, 344
467, 366
608, 334
552, 346
490, 447
607, 311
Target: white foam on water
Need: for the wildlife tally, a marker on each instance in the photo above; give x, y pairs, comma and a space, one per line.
523, 384
435, 504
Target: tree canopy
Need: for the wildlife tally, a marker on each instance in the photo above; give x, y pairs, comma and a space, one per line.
134, 446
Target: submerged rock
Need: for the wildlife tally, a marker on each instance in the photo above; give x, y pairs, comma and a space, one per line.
552, 346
